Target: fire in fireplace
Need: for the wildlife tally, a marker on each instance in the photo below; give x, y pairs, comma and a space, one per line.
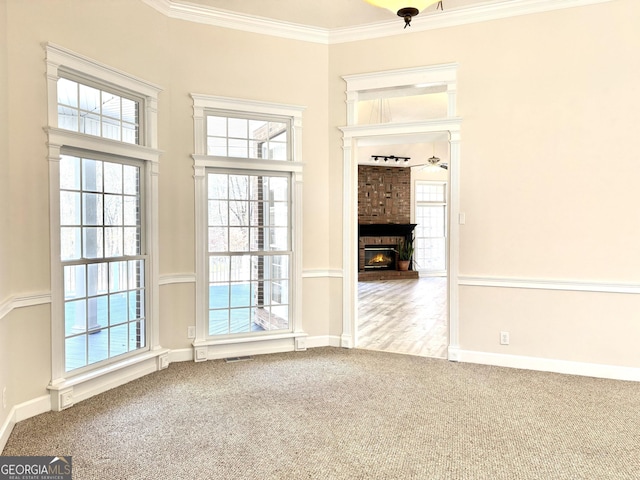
379, 257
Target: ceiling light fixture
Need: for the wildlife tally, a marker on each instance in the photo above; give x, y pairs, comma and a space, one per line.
406, 9
386, 158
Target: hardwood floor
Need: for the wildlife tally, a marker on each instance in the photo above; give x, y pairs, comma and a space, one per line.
404, 316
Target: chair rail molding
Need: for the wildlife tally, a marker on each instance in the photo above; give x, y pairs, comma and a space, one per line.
23, 300
550, 284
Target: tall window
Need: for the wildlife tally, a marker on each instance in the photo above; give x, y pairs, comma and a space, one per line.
248, 186
103, 170
431, 229
102, 259
249, 252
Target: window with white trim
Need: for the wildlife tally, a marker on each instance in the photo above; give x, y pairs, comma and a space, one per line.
102, 257
431, 230
103, 179
248, 220
249, 252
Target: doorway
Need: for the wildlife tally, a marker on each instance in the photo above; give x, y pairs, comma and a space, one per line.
356, 135
406, 313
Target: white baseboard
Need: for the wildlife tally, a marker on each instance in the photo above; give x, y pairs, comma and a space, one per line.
612, 372
323, 341
181, 355
21, 412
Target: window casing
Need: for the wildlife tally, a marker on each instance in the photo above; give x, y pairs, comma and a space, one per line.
248, 223
103, 181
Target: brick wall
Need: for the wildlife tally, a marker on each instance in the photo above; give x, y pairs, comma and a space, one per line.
384, 194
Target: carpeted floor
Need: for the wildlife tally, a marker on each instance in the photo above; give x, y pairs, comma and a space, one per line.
333, 413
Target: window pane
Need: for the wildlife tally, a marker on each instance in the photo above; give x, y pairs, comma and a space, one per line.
70, 244
69, 173
131, 241
114, 241
136, 274
75, 352
240, 320
216, 126
129, 111
218, 322
92, 209
119, 341
69, 208
218, 213
111, 105
98, 312
219, 295
91, 175
240, 268
238, 213
117, 276
129, 133
111, 129
218, 186
112, 209
117, 308
74, 281
98, 346
68, 118
238, 187
218, 239
240, 294
112, 177
238, 148
67, 92
238, 128
130, 177
98, 278
131, 211
219, 269
92, 239
90, 124
238, 239
89, 99
217, 146
259, 130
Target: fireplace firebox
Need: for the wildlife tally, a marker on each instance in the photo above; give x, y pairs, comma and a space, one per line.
379, 257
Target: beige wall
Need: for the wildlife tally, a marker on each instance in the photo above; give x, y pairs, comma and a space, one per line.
549, 144
549, 165
4, 206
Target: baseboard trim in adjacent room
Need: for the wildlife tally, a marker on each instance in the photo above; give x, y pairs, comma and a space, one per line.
612, 372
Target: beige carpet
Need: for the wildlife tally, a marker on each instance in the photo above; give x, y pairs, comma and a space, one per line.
346, 414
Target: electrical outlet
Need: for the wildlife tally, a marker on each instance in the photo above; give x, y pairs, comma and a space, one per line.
504, 338
4, 397
191, 332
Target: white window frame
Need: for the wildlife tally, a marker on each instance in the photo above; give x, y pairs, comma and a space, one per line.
206, 348
418, 203
68, 387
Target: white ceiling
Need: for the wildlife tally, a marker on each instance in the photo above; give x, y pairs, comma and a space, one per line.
328, 14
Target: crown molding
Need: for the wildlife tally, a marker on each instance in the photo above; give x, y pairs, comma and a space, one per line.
448, 18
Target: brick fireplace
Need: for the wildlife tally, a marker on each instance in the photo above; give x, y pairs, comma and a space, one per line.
384, 212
